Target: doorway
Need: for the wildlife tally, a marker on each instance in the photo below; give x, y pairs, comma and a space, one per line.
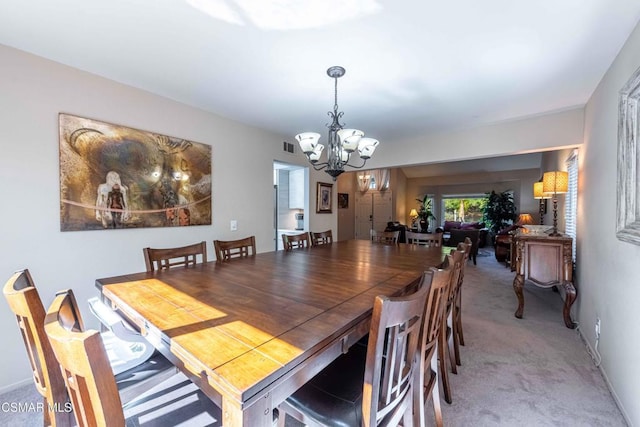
290, 200
373, 210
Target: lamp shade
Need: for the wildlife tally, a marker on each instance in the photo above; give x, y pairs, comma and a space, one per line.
366, 147
350, 139
413, 213
538, 192
314, 156
525, 219
308, 141
555, 182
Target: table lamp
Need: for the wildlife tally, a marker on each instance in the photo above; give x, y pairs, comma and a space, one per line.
554, 183
413, 214
541, 195
525, 219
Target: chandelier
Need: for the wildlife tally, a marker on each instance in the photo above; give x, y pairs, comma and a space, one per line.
342, 142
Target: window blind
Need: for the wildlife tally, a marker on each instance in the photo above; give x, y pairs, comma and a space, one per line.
571, 201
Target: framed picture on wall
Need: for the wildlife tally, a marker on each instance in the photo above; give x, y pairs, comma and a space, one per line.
115, 177
628, 214
324, 197
343, 200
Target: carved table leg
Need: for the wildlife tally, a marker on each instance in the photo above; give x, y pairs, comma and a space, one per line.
570, 297
518, 284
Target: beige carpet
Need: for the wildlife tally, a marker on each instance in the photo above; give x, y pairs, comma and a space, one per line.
529, 372
522, 372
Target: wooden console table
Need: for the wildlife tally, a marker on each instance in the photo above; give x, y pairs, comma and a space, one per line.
546, 262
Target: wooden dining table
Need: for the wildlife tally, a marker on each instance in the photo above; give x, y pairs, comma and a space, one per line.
251, 331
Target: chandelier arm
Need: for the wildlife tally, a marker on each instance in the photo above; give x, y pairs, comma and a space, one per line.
320, 166
364, 162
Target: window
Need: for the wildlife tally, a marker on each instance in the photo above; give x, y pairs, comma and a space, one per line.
463, 207
571, 201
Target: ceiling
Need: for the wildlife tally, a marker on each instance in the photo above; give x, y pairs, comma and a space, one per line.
413, 66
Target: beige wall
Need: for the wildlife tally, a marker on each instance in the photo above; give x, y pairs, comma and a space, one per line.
520, 181
346, 217
608, 281
539, 133
34, 91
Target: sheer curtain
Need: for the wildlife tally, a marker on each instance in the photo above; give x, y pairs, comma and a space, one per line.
381, 177
364, 180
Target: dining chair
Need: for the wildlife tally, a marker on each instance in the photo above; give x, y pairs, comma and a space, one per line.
25, 303
163, 259
372, 385
321, 238
467, 247
84, 364
453, 262
228, 249
424, 239
295, 241
385, 237
427, 383
460, 236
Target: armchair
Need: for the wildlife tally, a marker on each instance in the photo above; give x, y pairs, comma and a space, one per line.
457, 225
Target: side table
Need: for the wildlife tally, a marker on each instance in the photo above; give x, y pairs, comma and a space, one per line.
546, 262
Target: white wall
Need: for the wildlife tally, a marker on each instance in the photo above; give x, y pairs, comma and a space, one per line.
608, 276
34, 91
539, 133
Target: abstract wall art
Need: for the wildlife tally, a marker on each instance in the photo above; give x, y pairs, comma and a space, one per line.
115, 177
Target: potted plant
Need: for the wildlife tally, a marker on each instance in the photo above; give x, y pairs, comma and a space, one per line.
425, 214
499, 211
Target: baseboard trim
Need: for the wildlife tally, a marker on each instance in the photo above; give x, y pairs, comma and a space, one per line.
606, 379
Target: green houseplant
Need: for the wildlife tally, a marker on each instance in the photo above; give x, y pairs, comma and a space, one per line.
424, 212
499, 210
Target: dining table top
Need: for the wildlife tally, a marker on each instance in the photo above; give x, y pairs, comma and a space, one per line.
246, 325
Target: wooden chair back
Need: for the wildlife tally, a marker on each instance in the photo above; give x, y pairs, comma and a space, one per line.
391, 364
438, 282
84, 364
164, 259
424, 239
322, 238
467, 248
455, 261
228, 249
295, 241
25, 303
385, 237
436, 304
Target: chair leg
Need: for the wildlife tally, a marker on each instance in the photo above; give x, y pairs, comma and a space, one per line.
458, 318
451, 342
435, 392
455, 344
442, 360
281, 417
418, 392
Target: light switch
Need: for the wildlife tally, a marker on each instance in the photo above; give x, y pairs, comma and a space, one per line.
234, 225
